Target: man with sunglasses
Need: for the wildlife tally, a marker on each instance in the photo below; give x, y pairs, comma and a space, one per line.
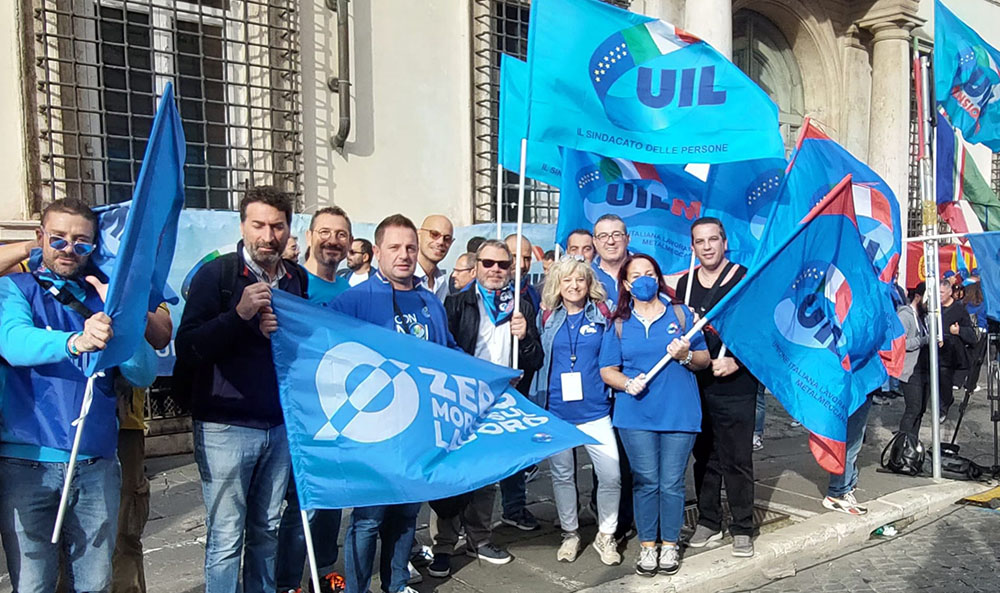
484, 323
359, 261
49, 319
329, 239
436, 235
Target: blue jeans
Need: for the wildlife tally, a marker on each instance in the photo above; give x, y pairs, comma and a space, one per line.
325, 528
396, 525
514, 494
843, 483
658, 460
29, 502
244, 476
758, 424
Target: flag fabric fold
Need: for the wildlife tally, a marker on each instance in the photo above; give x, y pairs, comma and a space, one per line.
809, 320
987, 249
624, 85
543, 161
966, 78
377, 417
951, 258
964, 198
145, 247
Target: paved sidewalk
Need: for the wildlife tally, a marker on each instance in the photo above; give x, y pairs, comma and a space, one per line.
790, 486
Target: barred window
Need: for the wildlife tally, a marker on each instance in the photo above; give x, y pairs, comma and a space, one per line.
501, 27
100, 67
914, 208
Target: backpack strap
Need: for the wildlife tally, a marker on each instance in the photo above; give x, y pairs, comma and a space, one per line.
230, 272
64, 296
546, 313
618, 327
681, 318
603, 308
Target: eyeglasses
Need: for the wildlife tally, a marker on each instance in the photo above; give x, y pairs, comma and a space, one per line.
352, 252
462, 269
325, 234
503, 264
81, 248
435, 235
617, 236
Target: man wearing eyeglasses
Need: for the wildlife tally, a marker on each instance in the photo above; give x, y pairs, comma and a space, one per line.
611, 241
49, 318
329, 239
436, 236
463, 273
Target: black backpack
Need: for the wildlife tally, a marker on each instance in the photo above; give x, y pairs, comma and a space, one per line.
904, 454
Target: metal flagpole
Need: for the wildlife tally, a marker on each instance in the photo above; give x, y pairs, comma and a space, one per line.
517, 250
88, 397
499, 202
310, 551
931, 265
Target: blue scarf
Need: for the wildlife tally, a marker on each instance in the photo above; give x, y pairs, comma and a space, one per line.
499, 304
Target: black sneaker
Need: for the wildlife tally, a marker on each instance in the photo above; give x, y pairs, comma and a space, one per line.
440, 567
524, 521
490, 553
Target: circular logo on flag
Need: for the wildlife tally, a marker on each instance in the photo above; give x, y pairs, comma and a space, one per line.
365, 397
813, 308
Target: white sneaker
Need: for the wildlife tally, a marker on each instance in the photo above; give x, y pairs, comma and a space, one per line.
608, 549
415, 576
670, 560
758, 442
645, 565
570, 547
845, 504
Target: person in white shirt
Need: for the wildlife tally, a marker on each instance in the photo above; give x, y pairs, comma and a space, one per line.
359, 261
436, 236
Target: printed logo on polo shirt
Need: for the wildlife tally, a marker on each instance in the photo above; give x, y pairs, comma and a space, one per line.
588, 330
366, 397
673, 328
812, 311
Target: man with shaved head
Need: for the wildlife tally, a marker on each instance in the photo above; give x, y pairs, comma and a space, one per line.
436, 234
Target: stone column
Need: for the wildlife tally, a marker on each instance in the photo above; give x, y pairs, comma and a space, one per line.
712, 20
889, 139
856, 112
671, 11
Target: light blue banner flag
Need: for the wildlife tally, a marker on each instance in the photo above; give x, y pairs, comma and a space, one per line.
544, 163
967, 78
146, 247
809, 320
379, 417
621, 84
986, 247
659, 202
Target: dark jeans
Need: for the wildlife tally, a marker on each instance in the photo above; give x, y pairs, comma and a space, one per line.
395, 525
626, 512
723, 451
977, 354
916, 394
514, 494
946, 382
325, 528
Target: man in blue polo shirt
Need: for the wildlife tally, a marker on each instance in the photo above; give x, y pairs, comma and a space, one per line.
392, 298
611, 241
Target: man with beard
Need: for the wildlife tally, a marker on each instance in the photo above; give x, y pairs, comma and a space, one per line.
49, 317
240, 443
436, 235
611, 242
359, 261
329, 239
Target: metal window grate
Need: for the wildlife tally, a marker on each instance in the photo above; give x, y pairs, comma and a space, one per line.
501, 26
100, 66
914, 208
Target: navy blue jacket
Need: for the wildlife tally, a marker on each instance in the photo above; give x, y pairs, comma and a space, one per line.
233, 378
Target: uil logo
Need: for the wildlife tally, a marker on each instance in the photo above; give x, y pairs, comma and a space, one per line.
975, 83
759, 196
813, 309
365, 397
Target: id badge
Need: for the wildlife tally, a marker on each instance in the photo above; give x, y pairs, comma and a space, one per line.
572, 387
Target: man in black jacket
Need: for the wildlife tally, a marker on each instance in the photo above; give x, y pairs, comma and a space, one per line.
957, 330
240, 443
484, 324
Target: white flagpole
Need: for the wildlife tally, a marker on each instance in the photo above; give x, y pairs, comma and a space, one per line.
667, 358
722, 353
88, 397
687, 290
517, 250
500, 202
310, 551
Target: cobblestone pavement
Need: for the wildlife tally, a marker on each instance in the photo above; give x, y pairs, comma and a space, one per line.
957, 552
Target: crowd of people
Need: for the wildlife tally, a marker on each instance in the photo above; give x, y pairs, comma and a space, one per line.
584, 336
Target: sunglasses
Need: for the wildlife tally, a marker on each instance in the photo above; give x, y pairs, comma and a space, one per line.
503, 264
81, 248
448, 239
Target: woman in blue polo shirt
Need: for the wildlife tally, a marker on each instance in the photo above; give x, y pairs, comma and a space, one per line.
657, 419
569, 385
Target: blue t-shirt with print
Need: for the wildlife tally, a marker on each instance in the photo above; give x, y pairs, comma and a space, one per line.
670, 401
322, 292
582, 338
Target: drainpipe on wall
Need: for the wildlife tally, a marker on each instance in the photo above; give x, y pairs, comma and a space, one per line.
341, 84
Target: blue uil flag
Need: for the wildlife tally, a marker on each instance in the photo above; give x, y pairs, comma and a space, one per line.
379, 417
966, 78
621, 84
986, 246
544, 163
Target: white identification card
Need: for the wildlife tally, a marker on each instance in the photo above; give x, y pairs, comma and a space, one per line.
572, 387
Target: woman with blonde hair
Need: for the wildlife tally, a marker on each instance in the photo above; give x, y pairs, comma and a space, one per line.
573, 322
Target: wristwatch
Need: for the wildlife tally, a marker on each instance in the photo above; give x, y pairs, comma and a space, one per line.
687, 360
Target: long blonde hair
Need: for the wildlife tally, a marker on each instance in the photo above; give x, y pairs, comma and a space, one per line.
551, 296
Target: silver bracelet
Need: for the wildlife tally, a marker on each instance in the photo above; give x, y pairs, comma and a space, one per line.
687, 360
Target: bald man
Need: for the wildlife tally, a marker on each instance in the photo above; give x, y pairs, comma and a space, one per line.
436, 234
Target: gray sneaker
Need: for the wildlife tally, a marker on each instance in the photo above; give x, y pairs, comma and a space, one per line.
742, 546
645, 565
703, 536
670, 559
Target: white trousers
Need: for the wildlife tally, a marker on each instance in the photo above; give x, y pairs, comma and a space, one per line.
605, 459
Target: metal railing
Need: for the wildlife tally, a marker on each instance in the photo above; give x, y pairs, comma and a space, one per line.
99, 67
